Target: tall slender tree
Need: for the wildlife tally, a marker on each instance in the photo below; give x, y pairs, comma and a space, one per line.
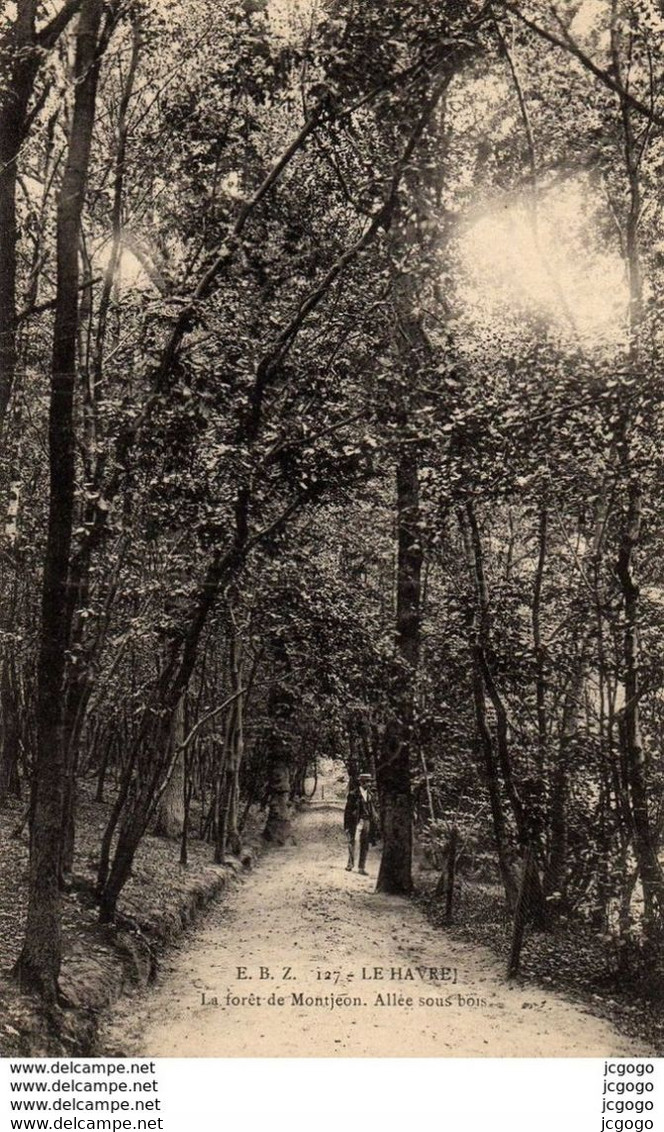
38, 966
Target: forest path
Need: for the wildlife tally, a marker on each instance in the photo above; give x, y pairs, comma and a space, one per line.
302, 910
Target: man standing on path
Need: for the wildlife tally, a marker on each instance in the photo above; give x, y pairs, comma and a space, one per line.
360, 813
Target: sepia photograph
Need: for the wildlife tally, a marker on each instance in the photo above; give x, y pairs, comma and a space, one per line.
331, 531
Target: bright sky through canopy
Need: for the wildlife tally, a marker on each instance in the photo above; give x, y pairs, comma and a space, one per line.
563, 268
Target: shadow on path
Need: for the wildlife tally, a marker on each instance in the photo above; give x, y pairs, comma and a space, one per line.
252, 981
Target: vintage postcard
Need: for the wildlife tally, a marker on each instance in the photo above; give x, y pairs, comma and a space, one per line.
331, 691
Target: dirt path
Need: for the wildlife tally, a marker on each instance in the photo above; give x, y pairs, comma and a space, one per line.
302, 911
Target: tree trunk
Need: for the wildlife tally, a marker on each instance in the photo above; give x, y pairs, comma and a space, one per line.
635, 769
170, 814
18, 60
229, 780
9, 145
150, 756
492, 783
555, 873
490, 760
10, 735
237, 755
21, 52
186, 817
395, 873
645, 840
540, 678
475, 555
38, 966
279, 828
220, 807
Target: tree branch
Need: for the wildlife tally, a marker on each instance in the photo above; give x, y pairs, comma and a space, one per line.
39, 308
50, 33
605, 77
226, 254
206, 718
381, 218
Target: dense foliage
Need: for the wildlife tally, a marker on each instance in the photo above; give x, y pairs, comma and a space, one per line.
331, 424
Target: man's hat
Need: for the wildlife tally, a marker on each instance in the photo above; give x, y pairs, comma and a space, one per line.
365, 778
